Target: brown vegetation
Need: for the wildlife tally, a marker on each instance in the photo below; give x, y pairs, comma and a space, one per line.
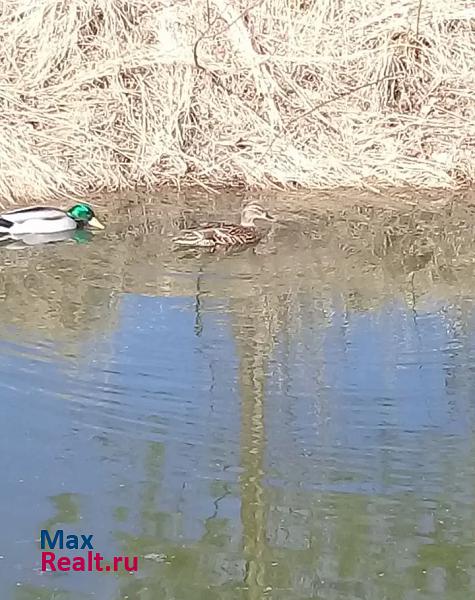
114, 94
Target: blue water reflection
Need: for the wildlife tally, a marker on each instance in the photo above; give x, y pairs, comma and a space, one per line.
149, 435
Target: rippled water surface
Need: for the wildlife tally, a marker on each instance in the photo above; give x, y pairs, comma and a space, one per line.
290, 422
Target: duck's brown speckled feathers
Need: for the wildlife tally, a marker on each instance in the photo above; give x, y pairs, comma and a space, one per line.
213, 235
224, 234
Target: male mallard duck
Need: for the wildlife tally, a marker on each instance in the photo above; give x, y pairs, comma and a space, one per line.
43, 219
212, 235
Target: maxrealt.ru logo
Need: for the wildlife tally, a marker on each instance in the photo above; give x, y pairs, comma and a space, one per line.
90, 561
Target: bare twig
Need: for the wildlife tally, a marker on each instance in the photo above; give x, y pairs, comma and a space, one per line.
419, 10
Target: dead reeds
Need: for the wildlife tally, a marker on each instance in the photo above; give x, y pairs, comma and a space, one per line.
112, 94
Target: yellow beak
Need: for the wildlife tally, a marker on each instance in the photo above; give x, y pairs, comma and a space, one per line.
96, 223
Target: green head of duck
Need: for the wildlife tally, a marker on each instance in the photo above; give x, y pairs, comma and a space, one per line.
83, 214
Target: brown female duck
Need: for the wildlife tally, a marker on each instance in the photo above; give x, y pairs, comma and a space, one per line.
213, 235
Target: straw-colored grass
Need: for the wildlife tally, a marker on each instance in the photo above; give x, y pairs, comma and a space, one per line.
112, 94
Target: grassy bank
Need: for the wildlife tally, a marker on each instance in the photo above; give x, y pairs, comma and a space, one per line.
110, 94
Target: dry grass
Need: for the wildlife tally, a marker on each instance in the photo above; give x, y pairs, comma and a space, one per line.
109, 94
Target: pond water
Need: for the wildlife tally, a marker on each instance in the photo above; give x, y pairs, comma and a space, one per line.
290, 422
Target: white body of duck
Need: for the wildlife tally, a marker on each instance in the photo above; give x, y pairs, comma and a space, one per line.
46, 220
